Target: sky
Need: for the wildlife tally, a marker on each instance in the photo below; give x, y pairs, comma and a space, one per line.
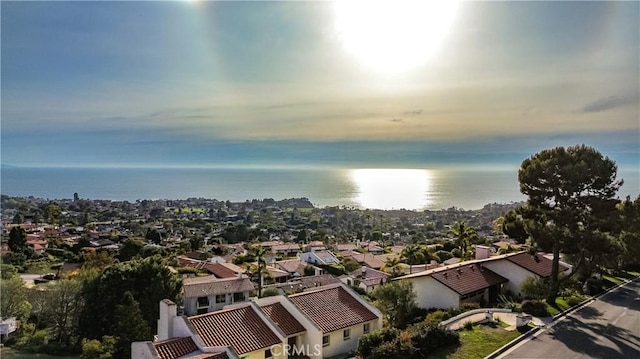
200, 83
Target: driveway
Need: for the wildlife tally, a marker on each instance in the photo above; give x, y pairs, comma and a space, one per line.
607, 328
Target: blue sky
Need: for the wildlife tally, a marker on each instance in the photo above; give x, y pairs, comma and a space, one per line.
215, 83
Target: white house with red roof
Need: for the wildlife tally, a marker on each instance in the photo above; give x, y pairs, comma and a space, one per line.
479, 280
321, 323
207, 294
341, 315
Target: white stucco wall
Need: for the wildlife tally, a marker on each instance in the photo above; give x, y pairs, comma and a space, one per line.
311, 340
142, 350
432, 294
191, 303
513, 272
277, 351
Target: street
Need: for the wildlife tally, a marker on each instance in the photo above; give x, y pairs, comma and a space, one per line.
609, 327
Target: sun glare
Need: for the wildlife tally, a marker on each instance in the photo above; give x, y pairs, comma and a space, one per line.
394, 35
392, 188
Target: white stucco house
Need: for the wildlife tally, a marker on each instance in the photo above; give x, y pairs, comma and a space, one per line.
321, 323
206, 294
319, 257
479, 280
341, 315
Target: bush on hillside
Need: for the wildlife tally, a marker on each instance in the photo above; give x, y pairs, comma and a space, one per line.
368, 342
535, 307
426, 337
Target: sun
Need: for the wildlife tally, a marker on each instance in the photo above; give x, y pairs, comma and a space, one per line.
394, 35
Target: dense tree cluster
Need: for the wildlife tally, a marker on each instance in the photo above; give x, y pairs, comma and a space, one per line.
572, 209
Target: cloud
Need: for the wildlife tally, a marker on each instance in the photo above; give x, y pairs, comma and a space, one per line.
605, 103
412, 113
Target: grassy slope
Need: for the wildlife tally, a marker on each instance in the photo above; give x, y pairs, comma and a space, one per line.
478, 343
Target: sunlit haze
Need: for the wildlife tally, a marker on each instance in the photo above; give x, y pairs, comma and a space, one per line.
394, 36
350, 84
392, 188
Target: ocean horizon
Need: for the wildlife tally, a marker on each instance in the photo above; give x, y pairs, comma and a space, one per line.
373, 188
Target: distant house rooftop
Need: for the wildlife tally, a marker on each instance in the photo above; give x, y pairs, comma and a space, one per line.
210, 285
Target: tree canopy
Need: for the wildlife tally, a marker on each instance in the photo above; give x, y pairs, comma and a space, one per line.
570, 199
149, 281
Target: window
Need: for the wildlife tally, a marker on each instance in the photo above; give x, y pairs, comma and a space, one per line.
202, 310
367, 328
238, 297
203, 302
346, 334
325, 340
268, 354
221, 298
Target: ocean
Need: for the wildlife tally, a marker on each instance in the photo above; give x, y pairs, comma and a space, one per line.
415, 189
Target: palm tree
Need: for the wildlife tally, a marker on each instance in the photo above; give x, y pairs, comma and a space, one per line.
392, 263
412, 254
259, 252
463, 234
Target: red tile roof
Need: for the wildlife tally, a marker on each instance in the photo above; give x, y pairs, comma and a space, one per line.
292, 265
241, 328
219, 270
537, 263
285, 321
332, 308
199, 286
469, 278
175, 347
368, 260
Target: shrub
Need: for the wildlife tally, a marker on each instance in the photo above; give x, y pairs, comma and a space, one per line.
396, 349
535, 307
467, 306
507, 302
534, 288
436, 317
430, 337
468, 325
574, 300
270, 292
188, 270
368, 342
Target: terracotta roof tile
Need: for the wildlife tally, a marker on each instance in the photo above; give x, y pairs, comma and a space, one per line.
467, 279
368, 260
292, 265
220, 271
199, 286
537, 263
175, 347
285, 321
240, 328
332, 308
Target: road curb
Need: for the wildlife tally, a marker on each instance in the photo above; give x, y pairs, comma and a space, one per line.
556, 319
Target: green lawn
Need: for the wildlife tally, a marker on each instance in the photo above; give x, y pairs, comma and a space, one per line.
478, 343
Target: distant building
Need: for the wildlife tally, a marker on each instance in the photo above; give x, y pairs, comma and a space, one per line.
319, 258
208, 294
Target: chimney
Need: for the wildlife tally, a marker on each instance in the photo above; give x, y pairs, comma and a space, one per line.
482, 252
364, 270
168, 311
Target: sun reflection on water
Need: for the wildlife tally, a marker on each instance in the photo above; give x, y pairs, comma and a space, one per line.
392, 188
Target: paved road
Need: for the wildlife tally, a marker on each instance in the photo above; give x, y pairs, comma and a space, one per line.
608, 328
